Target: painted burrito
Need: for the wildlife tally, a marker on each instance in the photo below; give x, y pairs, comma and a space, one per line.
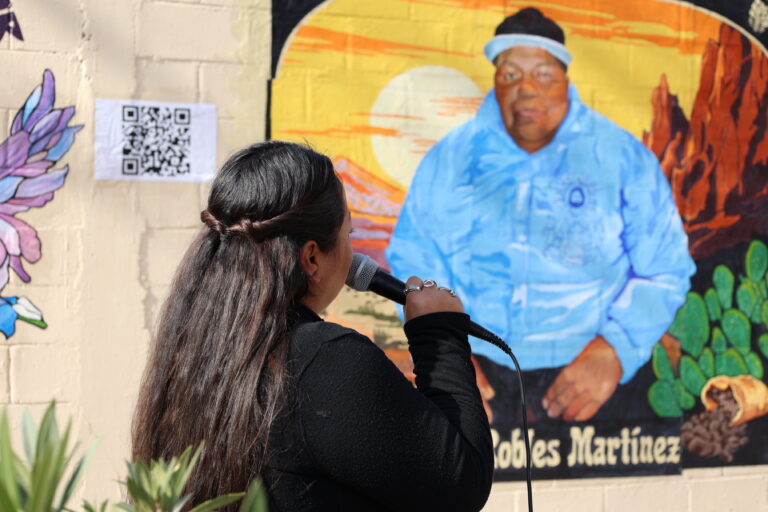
751, 396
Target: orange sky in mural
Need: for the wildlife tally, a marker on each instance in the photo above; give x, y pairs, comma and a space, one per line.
345, 131
424, 144
389, 116
607, 19
345, 42
366, 64
451, 106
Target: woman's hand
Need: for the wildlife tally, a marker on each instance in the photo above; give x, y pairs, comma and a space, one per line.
427, 297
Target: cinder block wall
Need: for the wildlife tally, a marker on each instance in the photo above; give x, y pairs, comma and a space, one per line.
110, 248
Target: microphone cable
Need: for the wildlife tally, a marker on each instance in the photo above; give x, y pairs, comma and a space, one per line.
495, 340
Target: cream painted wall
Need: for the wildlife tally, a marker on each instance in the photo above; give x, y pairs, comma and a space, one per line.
110, 248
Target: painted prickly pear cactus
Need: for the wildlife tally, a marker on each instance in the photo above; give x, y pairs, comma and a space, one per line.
722, 333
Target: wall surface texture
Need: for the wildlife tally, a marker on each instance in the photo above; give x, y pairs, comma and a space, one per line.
109, 248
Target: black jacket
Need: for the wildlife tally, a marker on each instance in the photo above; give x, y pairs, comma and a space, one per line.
358, 436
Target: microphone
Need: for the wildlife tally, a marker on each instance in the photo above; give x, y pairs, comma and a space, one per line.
365, 275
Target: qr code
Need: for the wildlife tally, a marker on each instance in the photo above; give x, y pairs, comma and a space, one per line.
156, 140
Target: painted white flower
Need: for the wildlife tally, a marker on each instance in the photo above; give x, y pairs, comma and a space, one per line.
26, 310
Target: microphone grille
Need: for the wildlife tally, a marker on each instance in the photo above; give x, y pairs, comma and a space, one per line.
361, 272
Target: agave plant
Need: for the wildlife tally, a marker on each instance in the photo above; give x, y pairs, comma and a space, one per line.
39, 485
159, 486
36, 485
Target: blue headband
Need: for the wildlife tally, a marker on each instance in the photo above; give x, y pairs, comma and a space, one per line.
506, 41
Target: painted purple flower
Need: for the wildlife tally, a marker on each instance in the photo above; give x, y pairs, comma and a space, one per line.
39, 137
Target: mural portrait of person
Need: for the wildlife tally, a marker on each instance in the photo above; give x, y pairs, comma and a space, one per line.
589, 178
557, 226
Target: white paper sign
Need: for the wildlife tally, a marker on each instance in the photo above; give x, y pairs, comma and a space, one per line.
155, 141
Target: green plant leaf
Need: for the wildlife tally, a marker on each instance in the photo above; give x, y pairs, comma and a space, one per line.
45, 465
663, 400
89, 507
37, 323
29, 435
186, 466
662, 366
691, 325
737, 329
51, 460
713, 304
217, 503
9, 493
23, 478
707, 362
723, 279
756, 260
762, 343
180, 503
755, 365
747, 297
255, 499
74, 478
730, 363
719, 343
762, 290
691, 375
139, 496
764, 313
685, 400
765, 282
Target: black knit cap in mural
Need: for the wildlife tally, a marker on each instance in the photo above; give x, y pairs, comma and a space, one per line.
532, 22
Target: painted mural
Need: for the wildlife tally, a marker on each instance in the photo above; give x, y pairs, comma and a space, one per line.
40, 135
624, 260
758, 16
9, 23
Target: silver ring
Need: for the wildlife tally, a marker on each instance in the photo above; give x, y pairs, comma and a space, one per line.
446, 289
429, 283
411, 288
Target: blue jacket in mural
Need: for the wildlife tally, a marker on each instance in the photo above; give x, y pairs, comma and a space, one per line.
550, 249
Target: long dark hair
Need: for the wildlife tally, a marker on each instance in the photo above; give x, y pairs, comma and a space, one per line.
216, 371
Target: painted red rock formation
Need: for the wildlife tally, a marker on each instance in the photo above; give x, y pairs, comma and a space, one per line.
375, 205
717, 162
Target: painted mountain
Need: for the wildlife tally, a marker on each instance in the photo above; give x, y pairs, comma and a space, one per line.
717, 162
374, 204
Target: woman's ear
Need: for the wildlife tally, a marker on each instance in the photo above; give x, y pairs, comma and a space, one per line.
308, 257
